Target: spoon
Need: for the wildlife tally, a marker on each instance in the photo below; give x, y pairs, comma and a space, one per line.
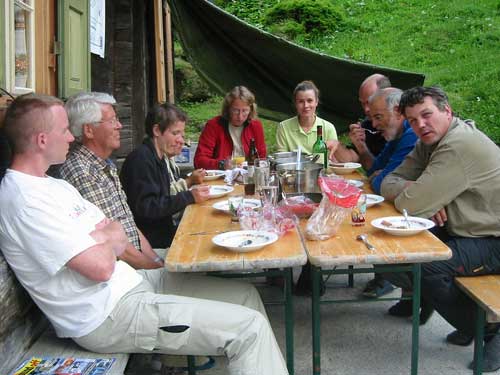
364, 238
372, 131
405, 214
245, 243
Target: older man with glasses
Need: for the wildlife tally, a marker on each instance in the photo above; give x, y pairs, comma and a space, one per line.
90, 170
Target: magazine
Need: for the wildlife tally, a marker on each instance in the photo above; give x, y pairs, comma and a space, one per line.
64, 366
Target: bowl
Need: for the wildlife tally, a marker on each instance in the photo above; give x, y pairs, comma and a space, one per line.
343, 168
217, 191
396, 225
243, 241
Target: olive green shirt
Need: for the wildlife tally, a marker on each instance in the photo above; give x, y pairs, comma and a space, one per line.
460, 173
289, 135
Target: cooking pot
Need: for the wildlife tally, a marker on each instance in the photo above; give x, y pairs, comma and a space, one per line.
302, 180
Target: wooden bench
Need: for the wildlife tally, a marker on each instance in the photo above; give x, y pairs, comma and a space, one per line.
485, 291
26, 333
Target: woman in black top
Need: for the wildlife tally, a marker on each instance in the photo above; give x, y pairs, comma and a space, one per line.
146, 181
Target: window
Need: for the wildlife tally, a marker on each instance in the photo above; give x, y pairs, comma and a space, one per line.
19, 71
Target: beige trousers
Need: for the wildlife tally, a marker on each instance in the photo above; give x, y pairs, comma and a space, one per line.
174, 313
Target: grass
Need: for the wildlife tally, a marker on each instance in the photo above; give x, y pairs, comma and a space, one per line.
455, 43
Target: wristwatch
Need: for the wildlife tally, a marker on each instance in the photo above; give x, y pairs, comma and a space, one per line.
221, 164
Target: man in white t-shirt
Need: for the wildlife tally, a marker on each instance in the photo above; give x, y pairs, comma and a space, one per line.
64, 252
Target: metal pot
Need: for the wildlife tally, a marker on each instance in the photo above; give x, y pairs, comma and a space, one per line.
302, 180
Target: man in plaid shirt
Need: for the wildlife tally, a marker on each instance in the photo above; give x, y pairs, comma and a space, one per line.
96, 127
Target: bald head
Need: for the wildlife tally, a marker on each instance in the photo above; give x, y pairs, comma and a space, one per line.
368, 88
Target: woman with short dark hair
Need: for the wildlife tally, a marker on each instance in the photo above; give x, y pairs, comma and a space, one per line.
147, 178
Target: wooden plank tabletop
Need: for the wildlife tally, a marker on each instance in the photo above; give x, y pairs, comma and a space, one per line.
344, 249
485, 290
192, 252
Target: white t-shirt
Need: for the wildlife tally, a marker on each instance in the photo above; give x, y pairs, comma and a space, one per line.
235, 132
44, 222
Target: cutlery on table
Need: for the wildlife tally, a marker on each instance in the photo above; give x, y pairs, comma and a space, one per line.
364, 238
208, 232
245, 243
405, 214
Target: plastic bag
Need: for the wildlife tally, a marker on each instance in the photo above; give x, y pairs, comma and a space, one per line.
270, 219
338, 199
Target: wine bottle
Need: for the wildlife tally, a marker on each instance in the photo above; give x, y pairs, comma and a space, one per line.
250, 159
320, 148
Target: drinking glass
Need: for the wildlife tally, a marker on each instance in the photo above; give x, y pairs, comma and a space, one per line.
238, 158
261, 173
235, 202
269, 191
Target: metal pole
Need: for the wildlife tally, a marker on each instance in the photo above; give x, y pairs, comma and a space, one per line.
416, 318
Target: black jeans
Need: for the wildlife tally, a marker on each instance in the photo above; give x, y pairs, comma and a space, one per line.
471, 257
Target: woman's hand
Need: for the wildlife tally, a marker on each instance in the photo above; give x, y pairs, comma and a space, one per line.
196, 177
200, 193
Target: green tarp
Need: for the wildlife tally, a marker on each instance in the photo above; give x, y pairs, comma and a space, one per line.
226, 52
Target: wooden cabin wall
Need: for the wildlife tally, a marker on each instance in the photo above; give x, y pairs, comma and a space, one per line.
123, 70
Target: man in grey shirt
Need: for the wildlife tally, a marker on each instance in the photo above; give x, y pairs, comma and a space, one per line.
453, 177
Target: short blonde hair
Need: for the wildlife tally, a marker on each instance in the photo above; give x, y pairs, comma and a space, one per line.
28, 115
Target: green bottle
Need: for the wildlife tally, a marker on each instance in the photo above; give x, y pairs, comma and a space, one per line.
320, 148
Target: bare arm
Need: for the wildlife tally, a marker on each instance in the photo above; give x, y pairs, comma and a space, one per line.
98, 262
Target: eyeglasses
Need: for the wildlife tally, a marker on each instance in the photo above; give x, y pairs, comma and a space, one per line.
113, 121
244, 112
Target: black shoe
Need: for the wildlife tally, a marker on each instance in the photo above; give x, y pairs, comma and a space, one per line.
403, 308
491, 357
459, 338
376, 288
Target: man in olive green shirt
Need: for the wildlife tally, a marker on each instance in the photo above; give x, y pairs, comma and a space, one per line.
453, 177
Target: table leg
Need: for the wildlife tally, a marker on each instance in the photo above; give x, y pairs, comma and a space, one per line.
289, 320
478, 341
191, 365
416, 318
351, 277
316, 276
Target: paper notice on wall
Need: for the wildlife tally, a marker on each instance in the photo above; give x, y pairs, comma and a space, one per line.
97, 26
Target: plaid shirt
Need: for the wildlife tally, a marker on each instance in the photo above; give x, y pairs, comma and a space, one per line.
97, 181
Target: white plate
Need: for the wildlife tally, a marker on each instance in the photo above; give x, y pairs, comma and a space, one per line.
243, 241
247, 202
396, 225
372, 199
217, 191
344, 168
211, 174
356, 183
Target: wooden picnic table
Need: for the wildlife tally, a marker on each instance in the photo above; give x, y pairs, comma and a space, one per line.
192, 250
397, 254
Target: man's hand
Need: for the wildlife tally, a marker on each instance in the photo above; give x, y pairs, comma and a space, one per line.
332, 146
440, 218
357, 136
196, 177
200, 193
111, 233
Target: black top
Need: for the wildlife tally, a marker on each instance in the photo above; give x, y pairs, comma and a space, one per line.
375, 142
146, 182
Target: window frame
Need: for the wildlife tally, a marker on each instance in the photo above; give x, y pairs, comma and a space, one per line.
9, 53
